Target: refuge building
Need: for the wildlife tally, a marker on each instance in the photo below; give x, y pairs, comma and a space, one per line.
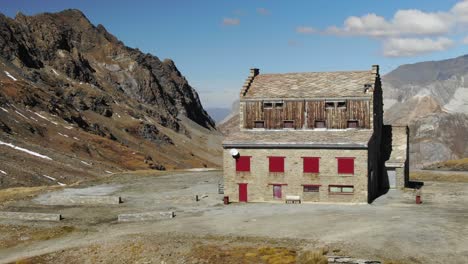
313, 135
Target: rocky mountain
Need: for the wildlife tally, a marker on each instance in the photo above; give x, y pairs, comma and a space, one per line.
218, 113
432, 98
76, 103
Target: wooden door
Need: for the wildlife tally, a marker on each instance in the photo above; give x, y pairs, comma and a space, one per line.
242, 192
277, 191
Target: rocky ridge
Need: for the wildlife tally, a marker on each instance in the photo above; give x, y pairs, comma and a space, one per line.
75, 93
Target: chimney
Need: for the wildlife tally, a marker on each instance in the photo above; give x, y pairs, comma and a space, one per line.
254, 72
375, 69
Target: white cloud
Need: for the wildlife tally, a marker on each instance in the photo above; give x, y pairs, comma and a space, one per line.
263, 11
460, 10
305, 30
405, 47
231, 21
411, 22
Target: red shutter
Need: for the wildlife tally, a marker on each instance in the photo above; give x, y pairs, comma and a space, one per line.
311, 164
243, 163
276, 164
346, 165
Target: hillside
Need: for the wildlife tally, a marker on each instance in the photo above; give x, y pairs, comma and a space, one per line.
76, 103
432, 98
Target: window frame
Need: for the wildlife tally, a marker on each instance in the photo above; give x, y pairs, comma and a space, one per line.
258, 122
352, 121
290, 122
316, 188
243, 158
320, 121
270, 158
341, 188
339, 168
304, 165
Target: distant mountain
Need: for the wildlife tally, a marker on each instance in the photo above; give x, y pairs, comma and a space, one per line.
72, 92
218, 114
432, 98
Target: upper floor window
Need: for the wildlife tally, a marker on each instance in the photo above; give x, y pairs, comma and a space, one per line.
311, 164
353, 123
319, 124
267, 105
335, 104
259, 124
345, 165
341, 104
288, 124
243, 163
270, 105
329, 104
276, 164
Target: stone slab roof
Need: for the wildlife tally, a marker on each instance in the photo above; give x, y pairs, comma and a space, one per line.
399, 146
351, 138
310, 85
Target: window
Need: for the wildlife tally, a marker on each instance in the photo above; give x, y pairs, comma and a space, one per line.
345, 165
276, 164
278, 105
277, 193
288, 124
243, 163
267, 105
311, 188
341, 189
319, 124
259, 124
341, 104
311, 164
352, 123
329, 104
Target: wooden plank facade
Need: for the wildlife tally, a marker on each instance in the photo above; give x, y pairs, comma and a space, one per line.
303, 114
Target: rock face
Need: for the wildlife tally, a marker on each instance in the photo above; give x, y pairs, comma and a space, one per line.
60, 71
432, 98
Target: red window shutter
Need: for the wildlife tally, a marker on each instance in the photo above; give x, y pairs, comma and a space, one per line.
345, 165
311, 164
276, 164
243, 163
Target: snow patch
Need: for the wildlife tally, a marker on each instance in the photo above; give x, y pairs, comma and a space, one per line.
25, 150
75, 138
4, 109
50, 178
61, 184
110, 172
63, 135
86, 163
45, 118
69, 127
10, 76
20, 114
3, 172
56, 73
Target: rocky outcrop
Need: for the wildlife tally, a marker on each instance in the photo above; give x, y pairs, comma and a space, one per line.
432, 98
72, 88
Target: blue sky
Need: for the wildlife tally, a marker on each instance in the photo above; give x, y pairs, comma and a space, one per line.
214, 43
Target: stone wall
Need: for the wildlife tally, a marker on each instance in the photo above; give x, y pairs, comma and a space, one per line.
260, 180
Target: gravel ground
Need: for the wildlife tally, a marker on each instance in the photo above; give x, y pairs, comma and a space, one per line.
393, 227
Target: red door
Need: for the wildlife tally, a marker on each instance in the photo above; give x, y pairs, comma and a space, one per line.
242, 192
277, 191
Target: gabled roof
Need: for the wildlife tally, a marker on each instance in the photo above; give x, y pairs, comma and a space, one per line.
352, 138
309, 84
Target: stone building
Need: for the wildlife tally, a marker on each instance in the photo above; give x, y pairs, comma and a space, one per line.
314, 135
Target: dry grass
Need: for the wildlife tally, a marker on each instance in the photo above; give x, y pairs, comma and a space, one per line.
437, 176
20, 193
11, 236
455, 165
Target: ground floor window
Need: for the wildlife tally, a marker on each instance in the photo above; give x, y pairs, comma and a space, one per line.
311, 188
341, 189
